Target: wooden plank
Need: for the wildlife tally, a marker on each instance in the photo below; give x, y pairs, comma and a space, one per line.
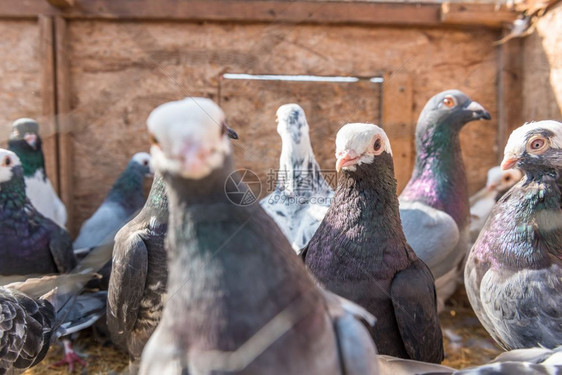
481, 14
48, 103
63, 96
510, 91
61, 3
311, 12
398, 123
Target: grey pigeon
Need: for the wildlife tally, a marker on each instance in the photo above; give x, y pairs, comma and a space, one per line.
434, 205
31, 243
123, 201
360, 252
239, 299
139, 274
35, 312
27, 144
513, 275
531, 361
301, 197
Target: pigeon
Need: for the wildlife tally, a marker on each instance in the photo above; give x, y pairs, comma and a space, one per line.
434, 205
302, 196
481, 203
513, 275
123, 201
239, 299
37, 311
530, 361
139, 259
360, 252
31, 243
27, 144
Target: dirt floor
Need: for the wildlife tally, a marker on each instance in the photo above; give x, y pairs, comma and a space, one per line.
466, 344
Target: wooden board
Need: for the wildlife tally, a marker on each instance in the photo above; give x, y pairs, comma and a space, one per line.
119, 71
348, 12
251, 106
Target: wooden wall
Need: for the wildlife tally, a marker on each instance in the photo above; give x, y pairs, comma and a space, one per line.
542, 74
112, 73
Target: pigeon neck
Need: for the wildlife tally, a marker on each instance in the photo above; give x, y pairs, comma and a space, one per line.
128, 189
32, 160
157, 200
532, 209
12, 193
366, 214
299, 172
439, 178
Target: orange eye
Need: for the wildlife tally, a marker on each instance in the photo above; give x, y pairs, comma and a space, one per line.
449, 101
537, 144
153, 140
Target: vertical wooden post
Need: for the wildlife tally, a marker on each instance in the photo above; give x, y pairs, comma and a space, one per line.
48, 100
64, 124
398, 123
510, 90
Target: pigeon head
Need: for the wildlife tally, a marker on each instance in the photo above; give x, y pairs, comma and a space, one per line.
189, 138
26, 132
358, 144
448, 111
142, 161
535, 146
291, 122
501, 180
10, 165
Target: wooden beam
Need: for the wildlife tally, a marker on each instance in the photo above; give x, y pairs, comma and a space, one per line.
64, 124
274, 11
510, 91
491, 15
61, 3
48, 103
398, 123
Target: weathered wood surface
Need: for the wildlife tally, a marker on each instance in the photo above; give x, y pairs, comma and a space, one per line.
424, 13
542, 72
119, 71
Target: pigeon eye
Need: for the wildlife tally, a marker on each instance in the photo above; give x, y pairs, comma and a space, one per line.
153, 140
145, 162
7, 161
378, 144
537, 144
449, 102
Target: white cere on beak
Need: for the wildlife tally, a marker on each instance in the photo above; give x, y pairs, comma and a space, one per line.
188, 137
359, 143
8, 160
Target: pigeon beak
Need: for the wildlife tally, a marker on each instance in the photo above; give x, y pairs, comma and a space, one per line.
31, 139
509, 161
345, 159
230, 132
478, 112
194, 159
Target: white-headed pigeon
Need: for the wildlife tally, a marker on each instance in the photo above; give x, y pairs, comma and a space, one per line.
239, 299
302, 196
513, 275
360, 252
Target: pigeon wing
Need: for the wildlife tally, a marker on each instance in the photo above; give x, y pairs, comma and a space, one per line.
127, 283
433, 235
415, 313
60, 247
